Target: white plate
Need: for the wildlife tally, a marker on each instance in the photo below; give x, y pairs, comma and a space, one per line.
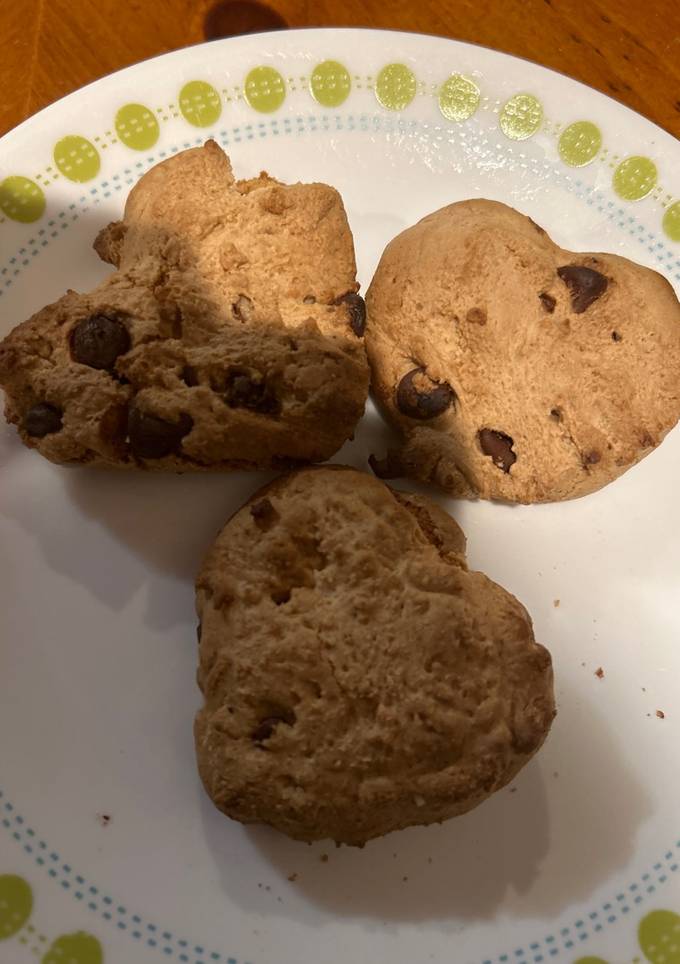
98, 652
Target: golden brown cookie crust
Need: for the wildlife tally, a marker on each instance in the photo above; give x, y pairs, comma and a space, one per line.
228, 337
515, 369
357, 677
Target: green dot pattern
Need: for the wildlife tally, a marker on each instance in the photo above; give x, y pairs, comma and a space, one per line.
200, 103
635, 178
580, 143
265, 89
659, 937
16, 904
395, 86
671, 221
521, 117
21, 199
330, 83
137, 127
458, 98
76, 158
78, 948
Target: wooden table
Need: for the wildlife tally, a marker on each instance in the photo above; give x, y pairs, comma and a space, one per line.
629, 49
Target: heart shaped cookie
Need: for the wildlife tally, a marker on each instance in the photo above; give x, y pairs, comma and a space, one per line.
230, 335
357, 676
515, 369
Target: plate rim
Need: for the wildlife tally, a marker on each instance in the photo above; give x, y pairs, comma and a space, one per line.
339, 35
337, 32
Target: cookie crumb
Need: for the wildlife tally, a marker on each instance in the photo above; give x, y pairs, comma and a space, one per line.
292, 878
556, 603
644, 689
404, 879
661, 714
104, 819
555, 774
324, 858
599, 672
429, 860
513, 789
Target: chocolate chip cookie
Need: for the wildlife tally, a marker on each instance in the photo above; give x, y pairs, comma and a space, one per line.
230, 335
357, 676
515, 369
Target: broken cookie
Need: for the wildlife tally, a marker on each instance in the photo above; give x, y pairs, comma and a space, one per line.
230, 335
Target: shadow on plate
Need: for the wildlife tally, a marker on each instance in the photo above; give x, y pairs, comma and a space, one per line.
116, 532
533, 849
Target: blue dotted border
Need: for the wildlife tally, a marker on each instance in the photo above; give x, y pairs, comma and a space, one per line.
568, 939
144, 933
572, 938
421, 88
301, 124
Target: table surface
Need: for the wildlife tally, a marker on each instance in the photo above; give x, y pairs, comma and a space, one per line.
630, 50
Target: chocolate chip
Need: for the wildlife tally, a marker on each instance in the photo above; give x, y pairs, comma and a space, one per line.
264, 730
42, 420
548, 302
585, 285
263, 513
498, 445
170, 319
113, 427
152, 437
357, 311
389, 467
97, 341
189, 376
616, 336
476, 316
592, 457
556, 413
281, 596
272, 200
243, 390
242, 308
418, 396
646, 441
